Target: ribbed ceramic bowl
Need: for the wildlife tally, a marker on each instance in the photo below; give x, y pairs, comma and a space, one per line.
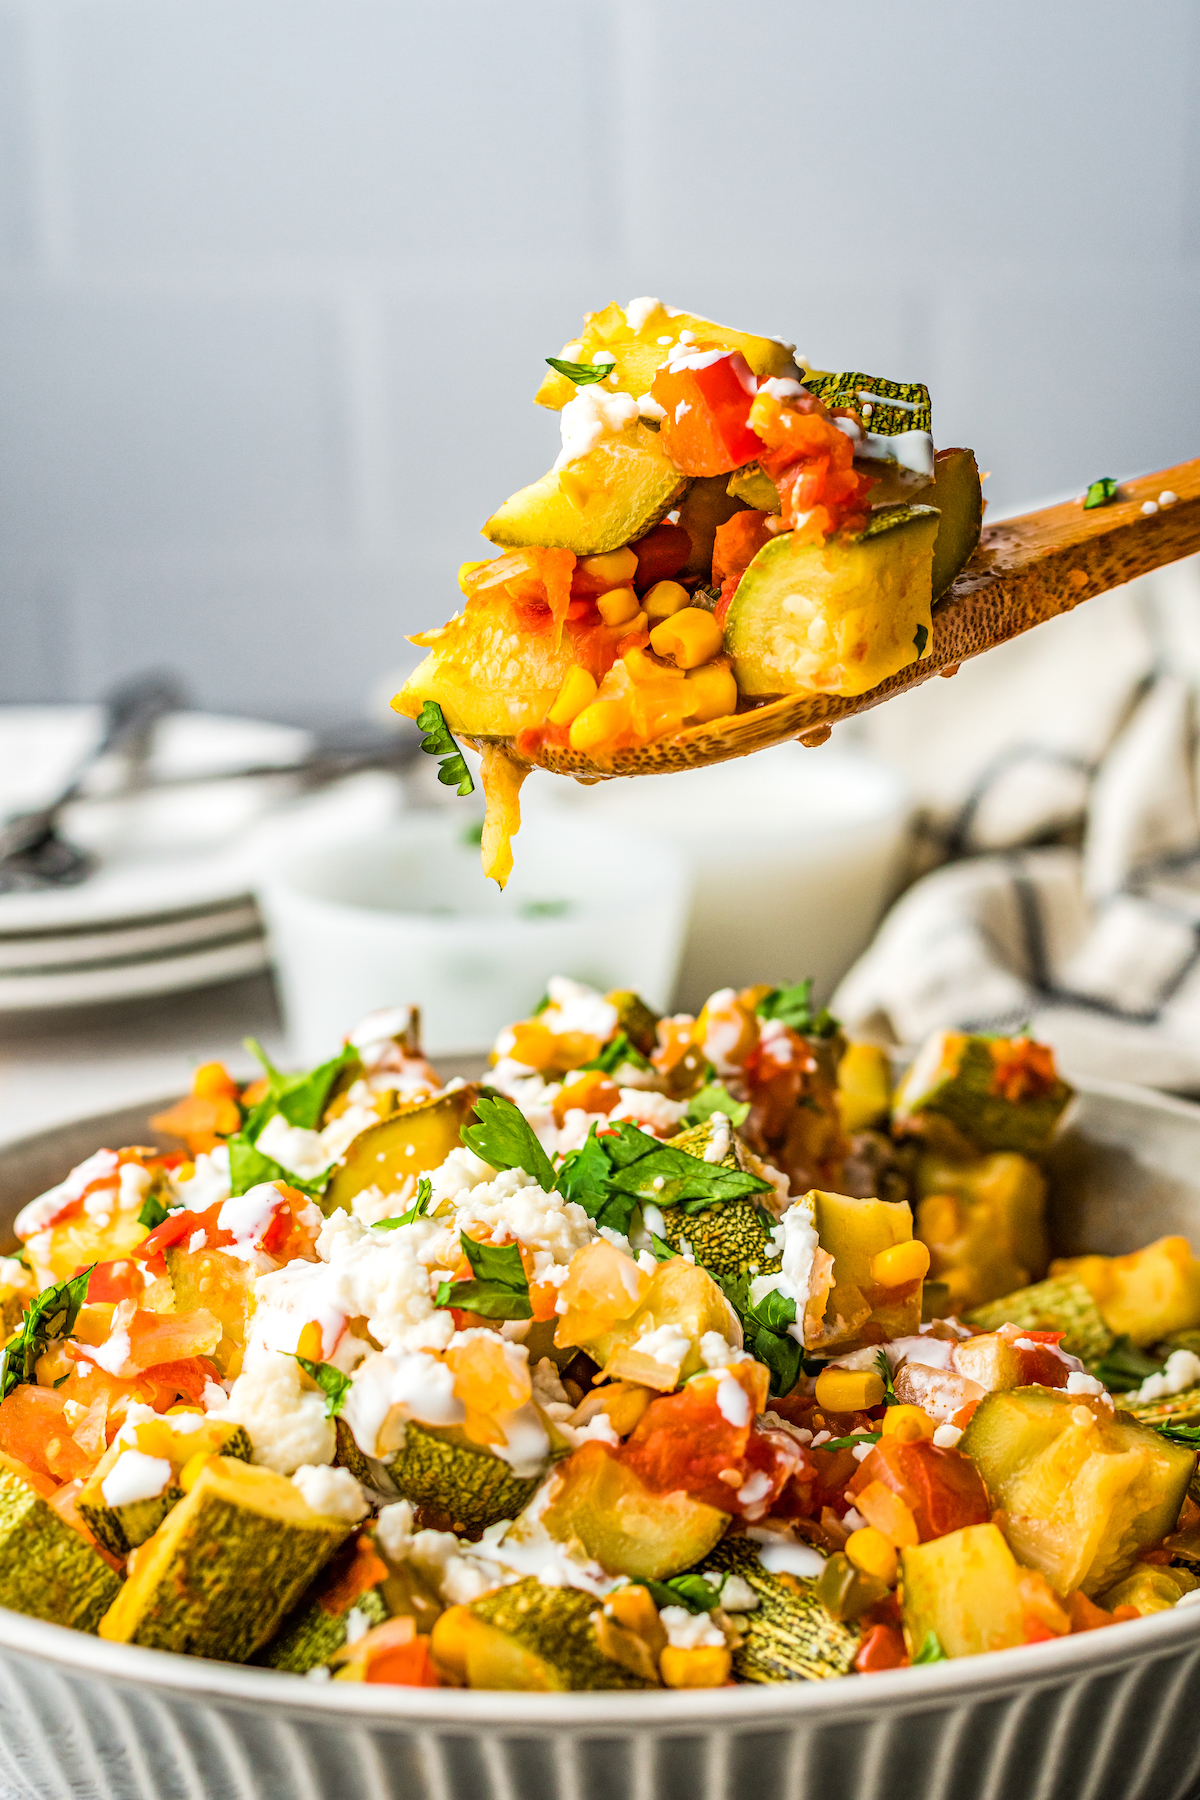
1110, 1715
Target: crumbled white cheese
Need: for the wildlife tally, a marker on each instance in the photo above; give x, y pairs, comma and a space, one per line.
755, 1488
666, 1344
654, 1112
394, 1530
208, 1183
15, 1278
573, 1005
135, 1477
513, 1206
690, 1631
717, 1148
795, 1238
737, 1596
285, 1419
197, 1241
853, 1519
860, 1452
650, 408
639, 312
1167, 498
455, 1577
716, 1353
733, 1402
780, 387
590, 416
1182, 1371
132, 1190
947, 1436
333, 1492
1149, 506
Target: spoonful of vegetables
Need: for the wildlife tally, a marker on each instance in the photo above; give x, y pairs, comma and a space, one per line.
733, 549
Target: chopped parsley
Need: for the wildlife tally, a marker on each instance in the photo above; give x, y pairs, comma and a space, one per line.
931, 1650
417, 1210
152, 1212
852, 1442
1100, 493
692, 1591
766, 1329
712, 1098
332, 1383
503, 1137
616, 1052
884, 1370
610, 1175
52, 1315
500, 1289
438, 742
582, 374
1187, 1435
792, 1006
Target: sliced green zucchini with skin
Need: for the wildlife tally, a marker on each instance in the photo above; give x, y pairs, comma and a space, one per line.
598, 1505
1181, 1409
437, 1467
789, 1636
837, 617
754, 487
408, 1143
616, 493
368, 1471
47, 1570
1061, 1303
225, 1567
530, 1637
1150, 1590
1084, 1491
964, 1589
122, 1527
731, 1240
957, 1076
358, 1579
956, 492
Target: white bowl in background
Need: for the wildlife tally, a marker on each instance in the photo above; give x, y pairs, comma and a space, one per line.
794, 855
406, 916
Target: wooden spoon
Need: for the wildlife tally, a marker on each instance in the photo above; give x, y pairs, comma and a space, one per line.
1023, 572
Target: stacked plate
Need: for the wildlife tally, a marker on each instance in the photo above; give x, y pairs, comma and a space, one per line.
170, 906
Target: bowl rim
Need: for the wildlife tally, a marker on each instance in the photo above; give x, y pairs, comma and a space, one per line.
1049, 1664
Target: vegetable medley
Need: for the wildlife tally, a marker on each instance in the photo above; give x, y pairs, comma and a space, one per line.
675, 1352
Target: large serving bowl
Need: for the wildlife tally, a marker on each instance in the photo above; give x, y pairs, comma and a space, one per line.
1109, 1715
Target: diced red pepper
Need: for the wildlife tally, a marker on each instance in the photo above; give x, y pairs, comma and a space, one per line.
707, 403
738, 542
661, 554
883, 1647
121, 1280
176, 1226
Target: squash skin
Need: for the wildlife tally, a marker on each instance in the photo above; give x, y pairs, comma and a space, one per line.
48, 1571
122, 1528
1062, 1303
527, 1637
789, 1636
620, 490
408, 1142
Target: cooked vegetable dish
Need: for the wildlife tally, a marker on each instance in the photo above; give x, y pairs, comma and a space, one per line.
673, 1352
724, 525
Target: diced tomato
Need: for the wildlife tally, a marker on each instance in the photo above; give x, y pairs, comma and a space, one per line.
121, 1280
157, 1338
883, 1647
34, 1429
1023, 1069
536, 579
408, 1665
355, 1571
738, 542
685, 1441
174, 1228
942, 1489
661, 554
811, 463
202, 1121
165, 1383
705, 431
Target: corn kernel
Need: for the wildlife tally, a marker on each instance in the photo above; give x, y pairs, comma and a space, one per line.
575, 491
311, 1343
598, 724
577, 691
705, 1667
212, 1081
848, 1390
691, 637
870, 1551
615, 568
889, 1514
908, 1423
191, 1469
618, 606
714, 692
664, 599
900, 1264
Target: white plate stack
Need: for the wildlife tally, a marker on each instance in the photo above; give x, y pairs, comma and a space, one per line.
170, 905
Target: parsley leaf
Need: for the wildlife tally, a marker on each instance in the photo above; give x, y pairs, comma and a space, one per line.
500, 1289
615, 1054
248, 1167
765, 1327
663, 1252
931, 1650
152, 1213
1123, 1368
609, 1175
849, 1443
792, 1006
302, 1098
692, 1591
884, 1369
332, 1383
504, 1138
1188, 1435
438, 742
417, 1210
920, 639
51, 1315
1100, 493
713, 1097
582, 374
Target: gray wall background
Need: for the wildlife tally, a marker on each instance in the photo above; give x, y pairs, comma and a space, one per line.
276, 279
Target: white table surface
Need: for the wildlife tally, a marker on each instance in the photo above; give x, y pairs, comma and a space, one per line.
56, 1066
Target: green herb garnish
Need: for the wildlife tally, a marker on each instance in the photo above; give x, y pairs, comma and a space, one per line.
920, 639
332, 1383
715, 1097
766, 1328
439, 742
692, 1591
582, 374
52, 1315
884, 1370
248, 1167
792, 1006
931, 1650
663, 1252
152, 1212
1100, 493
417, 1210
472, 835
849, 1443
504, 1138
615, 1053
608, 1176
302, 1098
1123, 1368
500, 1289
1188, 1435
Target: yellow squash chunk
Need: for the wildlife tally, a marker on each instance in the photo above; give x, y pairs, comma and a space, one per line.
1146, 1294
679, 1294
638, 353
122, 1527
409, 1143
79, 1241
966, 1589
599, 1505
1150, 1590
532, 1638
837, 617
225, 1566
220, 1284
490, 677
1083, 1491
984, 1221
597, 503
47, 1570
861, 1310
864, 1086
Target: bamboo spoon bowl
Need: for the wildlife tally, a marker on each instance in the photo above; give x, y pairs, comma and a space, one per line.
1024, 571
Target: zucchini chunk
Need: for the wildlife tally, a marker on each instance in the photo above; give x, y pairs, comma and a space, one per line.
438, 1467
965, 1588
789, 1636
598, 503
1145, 1295
409, 1142
225, 1566
47, 1570
1181, 1409
859, 1309
122, 1527
358, 1579
983, 1219
731, 1239
968, 1081
956, 492
1084, 1491
837, 617
1150, 1590
599, 1505
1060, 1304
535, 1638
